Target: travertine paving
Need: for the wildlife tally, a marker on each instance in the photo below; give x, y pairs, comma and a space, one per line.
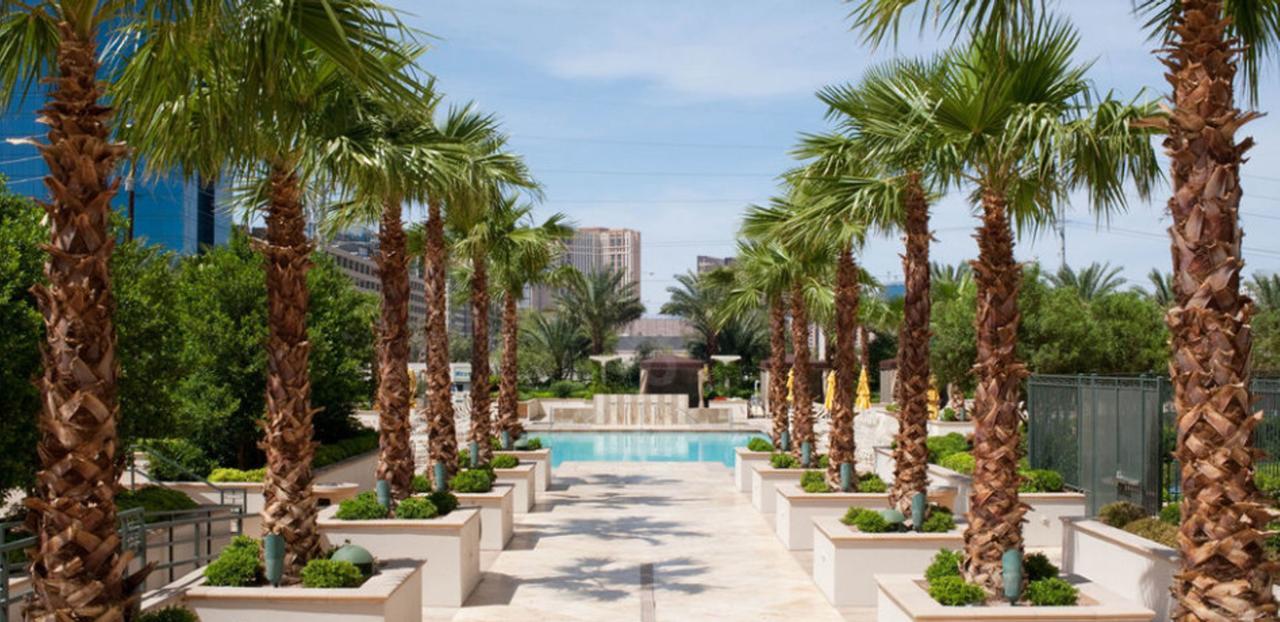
643, 541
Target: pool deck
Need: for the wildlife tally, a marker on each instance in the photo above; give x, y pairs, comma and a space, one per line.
644, 541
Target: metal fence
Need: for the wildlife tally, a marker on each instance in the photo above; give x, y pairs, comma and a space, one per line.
1113, 436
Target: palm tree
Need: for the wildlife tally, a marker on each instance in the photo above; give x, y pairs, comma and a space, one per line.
559, 337
523, 254
947, 281
1093, 281
1266, 290
698, 298
601, 303
1161, 287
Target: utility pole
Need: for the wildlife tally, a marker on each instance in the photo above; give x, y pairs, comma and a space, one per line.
1062, 242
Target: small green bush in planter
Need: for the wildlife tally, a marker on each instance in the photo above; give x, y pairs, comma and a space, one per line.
870, 482
363, 506
938, 521
227, 474
1051, 592
814, 481
504, 462
1120, 513
421, 484
947, 414
824, 461
1041, 480
759, 444
471, 480
945, 564
960, 462
168, 614
533, 444
1154, 530
445, 502
867, 521
1268, 482
464, 458
943, 446
236, 566
956, 592
416, 508
495, 443
328, 573
783, 461
1038, 566
1171, 513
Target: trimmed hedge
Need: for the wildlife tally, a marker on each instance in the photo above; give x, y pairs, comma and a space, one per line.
330, 573
814, 481
471, 480
961, 462
759, 444
416, 508
154, 499
236, 566
363, 442
943, 446
1051, 592
363, 506
783, 461
505, 461
1120, 513
227, 474
956, 592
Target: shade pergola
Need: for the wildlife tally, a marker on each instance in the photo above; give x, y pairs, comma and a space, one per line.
671, 375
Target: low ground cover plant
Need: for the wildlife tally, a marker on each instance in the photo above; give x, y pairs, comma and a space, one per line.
1044, 587
870, 482
783, 461
168, 614
226, 474
814, 481
505, 461
329, 573
954, 591
1120, 513
533, 444
961, 462
363, 506
1051, 592
471, 481
759, 444
236, 566
943, 446
416, 508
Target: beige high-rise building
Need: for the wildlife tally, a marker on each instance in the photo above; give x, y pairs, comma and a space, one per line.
595, 249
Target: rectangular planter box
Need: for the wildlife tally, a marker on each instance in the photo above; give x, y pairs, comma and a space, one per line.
796, 509
496, 515
523, 479
845, 559
943, 428
904, 598
392, 595
743, 461
764, 479
941, 476
541, 459
450, 543
1043, 527
1136, 567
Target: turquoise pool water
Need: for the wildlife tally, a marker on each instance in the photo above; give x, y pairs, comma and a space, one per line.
644, 446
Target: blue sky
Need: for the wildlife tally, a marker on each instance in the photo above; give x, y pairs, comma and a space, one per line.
670, 116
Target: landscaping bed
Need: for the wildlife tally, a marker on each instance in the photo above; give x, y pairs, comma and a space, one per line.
845, 558
795, 509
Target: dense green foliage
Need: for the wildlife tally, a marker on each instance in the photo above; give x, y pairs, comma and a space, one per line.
416, 508
21, 332
1268, 482
1037, 566
783, 461
471, 480
445, 502
227, 474
945, 564
147, 346
361, 442
236, 566
814, 481
1051, 592
759, 444
1120, 513
1155, 530
155, 499
961, 462
329, 573
533, 444
954, 591
504, 461
363, 506
175, 459
1041, 480
1171, 513
870, 482
943, 446
168, 614
939, 520
421, 484
867, 521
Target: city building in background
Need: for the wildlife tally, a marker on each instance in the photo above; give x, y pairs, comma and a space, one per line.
592, 250
660, 333
707, 264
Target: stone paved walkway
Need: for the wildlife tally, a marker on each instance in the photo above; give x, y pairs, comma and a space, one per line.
643, 541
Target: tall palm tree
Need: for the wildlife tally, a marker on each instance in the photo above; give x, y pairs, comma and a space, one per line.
1266, 290
1091, 282
1161, 287
698, 298
600, 302
559, 337
948, 281
523, 254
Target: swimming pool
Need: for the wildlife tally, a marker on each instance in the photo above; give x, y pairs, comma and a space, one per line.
644, 446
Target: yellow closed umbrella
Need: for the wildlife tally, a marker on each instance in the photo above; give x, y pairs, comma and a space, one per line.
933, 397
864, 391
830, 399
791, 381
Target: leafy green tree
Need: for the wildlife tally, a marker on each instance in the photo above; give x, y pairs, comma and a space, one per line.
21, 331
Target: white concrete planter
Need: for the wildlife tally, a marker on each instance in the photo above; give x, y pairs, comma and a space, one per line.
845, 559
541, 459
450, 543
524, 480
496, 515
943, 428
743, 461
905, 598
883, 463
1043, 527
796, 509
204, 494
941, 476
1131, 565
765, 479
392, 595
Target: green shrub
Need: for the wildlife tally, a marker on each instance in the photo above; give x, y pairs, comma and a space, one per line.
1171, 513
363, 506
783, 461
464, 458
824, 461
938, 521
1051, 592
364, 441
533, 444
1041, 480
416, 508
445, 502
945, 564
236, 566
421, 484
943, 446
1120, 513
495, 443
564, 388
1038, 566
471, 480
154, 499
956, 592
759, 444
867, 521
168, 614
225, 474
175, 459
1268, 482
814, 481
960, 462
329, 573
1155, 530
505, 461
947, 414
870, 482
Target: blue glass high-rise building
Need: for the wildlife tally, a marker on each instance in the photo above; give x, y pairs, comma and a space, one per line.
183, 216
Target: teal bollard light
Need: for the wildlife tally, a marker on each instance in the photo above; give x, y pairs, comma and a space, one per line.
438, 471
273, 558
506, 440
474, 454
785, 441
918, 504
383, 490
846, 477
1011, 569
806, 454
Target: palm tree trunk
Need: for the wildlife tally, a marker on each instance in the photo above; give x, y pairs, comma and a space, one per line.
995, 513
841, 434
864, 349
395, 455
778, 367
508, 402
801, 403
911, 455
481, 423
443, 436
1223, 576
78, 567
